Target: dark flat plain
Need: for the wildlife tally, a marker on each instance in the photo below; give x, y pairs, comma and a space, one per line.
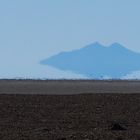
69, 110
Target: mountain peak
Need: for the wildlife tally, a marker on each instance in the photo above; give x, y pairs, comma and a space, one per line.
95, 59
117, 45
95, 44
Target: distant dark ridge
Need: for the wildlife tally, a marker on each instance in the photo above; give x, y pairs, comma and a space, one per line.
39, 79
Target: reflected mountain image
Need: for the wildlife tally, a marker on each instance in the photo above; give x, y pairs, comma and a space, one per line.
97, 61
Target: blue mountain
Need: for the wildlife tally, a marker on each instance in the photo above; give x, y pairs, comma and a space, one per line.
96, 61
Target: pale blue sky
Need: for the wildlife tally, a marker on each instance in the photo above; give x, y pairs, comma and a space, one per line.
31, 30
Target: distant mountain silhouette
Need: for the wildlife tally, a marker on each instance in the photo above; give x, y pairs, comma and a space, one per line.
96, 61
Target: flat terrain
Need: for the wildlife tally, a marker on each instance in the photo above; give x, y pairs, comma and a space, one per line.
69, 110
65, 87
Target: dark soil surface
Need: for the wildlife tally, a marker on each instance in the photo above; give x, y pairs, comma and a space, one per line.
84, 116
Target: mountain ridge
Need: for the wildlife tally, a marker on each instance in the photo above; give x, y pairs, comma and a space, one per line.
96, 60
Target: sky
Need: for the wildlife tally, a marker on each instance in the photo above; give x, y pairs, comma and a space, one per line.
31, 30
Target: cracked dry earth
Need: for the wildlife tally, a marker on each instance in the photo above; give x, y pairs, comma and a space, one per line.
70, 117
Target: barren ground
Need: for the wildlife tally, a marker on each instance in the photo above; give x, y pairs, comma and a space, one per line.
69, 110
